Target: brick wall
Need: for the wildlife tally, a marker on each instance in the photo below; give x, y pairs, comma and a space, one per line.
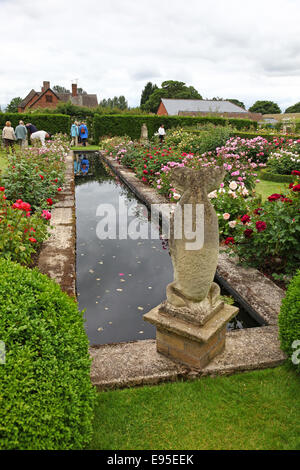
162, 110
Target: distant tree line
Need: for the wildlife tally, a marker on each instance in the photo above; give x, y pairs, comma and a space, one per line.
149, 102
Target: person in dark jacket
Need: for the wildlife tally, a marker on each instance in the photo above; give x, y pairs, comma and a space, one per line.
31, 128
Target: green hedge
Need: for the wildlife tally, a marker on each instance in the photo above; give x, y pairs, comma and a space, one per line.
268, 176
113, 125
270, 137
46, 397
252, 135
289, 322
52, 123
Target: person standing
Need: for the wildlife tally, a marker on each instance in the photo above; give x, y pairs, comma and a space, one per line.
84, 133
8, 136
21, 134
74, 133
161, 133
41, 135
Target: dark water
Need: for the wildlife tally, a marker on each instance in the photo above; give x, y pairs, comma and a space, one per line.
118, 281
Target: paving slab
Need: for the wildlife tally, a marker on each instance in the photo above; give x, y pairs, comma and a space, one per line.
138, 363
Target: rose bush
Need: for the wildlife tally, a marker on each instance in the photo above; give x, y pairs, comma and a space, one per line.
268, 237
21, 233
36, 174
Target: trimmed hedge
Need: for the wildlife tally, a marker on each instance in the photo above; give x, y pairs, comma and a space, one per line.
113, 125
46, 397
289, 322
252, 135
268, 176
53, 123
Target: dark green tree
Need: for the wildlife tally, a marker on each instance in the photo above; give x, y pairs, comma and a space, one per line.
12, 107
265, 107
293, 109
170, 89
60, 89
237, 102
118, 102
147, 92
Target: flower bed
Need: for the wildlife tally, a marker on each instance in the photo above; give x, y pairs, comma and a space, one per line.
29, 187
264, 235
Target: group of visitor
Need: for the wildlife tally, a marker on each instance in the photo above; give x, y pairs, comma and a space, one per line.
79, 133
20, 135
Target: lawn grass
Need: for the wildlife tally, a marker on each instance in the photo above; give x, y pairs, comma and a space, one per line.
253, 410
88, 147
266, 188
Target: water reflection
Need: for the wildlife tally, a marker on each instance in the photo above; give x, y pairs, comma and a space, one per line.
119, 280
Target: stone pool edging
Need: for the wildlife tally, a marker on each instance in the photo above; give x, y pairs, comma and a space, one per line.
138, 363
57, 257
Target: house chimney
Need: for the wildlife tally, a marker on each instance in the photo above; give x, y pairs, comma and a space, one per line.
45, 86
74, 89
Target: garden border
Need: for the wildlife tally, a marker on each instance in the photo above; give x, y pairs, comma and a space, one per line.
138, 363
57, 258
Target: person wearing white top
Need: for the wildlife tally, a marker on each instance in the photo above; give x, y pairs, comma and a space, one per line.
161, 133
41, 135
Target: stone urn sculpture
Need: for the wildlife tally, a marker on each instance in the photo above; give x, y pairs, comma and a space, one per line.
191, 322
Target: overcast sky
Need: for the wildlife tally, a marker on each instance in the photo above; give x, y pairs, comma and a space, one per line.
231, 49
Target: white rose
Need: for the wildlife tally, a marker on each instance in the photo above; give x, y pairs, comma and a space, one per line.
226, 216
233, 185
232, 223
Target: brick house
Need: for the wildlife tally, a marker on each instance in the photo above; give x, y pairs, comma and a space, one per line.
47, 98
186, 107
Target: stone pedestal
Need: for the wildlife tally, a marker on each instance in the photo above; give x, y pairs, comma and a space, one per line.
186, 342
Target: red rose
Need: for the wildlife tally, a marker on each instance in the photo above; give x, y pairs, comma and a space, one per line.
2, 188
296, 188
274, 197
41, 176
258, 211
24, 206
291, 185
248, 232
145, 172
32, 240
261, 226
296, 172
59, 189
245, 219
229, 240
49, 201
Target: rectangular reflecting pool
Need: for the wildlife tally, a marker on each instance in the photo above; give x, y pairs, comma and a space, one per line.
119, 280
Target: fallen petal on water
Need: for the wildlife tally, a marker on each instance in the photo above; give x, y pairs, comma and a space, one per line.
100, 329
140, 308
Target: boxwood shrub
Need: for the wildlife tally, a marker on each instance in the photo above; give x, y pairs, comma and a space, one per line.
289, 322
113, 125
46, 397
53, 123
